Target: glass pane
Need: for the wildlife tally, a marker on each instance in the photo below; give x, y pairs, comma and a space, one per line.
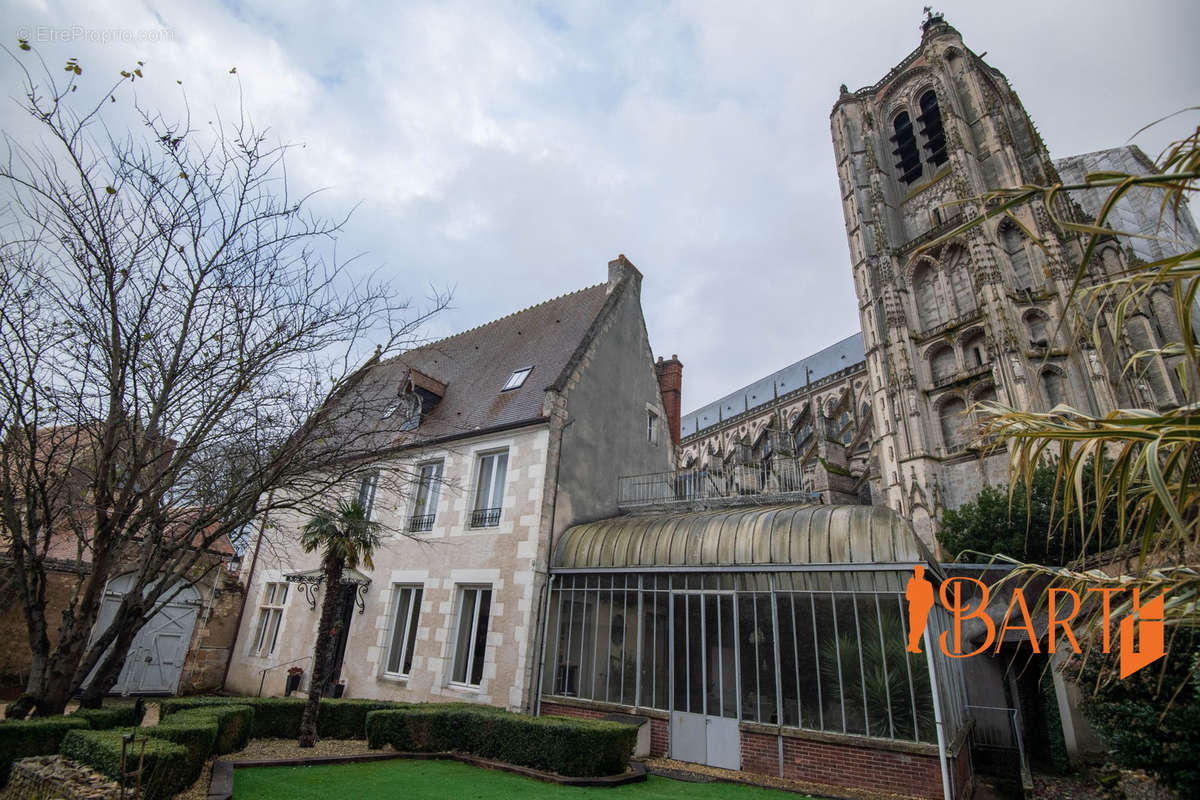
275, 615
399, 620
751, 639
482, 498
629, 642
853, 697
481, 629
680, 672
768, 708
462, 644
827, 652
695, 652
261, 632
878, 680
497, 499
787, 660
411, 644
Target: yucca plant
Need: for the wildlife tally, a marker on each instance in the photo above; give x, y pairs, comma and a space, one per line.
1147, 461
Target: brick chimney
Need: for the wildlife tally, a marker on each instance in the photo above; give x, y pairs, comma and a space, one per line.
670, 383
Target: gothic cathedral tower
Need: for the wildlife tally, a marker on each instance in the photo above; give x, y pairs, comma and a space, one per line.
978, 317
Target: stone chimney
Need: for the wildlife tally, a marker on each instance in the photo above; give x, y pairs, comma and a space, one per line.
670, 383
620, 268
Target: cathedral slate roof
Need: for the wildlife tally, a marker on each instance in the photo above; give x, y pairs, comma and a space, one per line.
822, 364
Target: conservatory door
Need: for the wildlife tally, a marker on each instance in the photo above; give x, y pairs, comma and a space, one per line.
704, 711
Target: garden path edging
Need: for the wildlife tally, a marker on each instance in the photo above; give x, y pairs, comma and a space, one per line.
220, 786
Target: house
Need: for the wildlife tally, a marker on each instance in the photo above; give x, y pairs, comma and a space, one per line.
183, 649
509, 433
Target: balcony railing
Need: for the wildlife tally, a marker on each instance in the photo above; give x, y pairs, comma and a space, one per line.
421, 522
776, 477
485, 517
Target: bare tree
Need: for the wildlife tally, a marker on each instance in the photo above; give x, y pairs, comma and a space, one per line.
180, 353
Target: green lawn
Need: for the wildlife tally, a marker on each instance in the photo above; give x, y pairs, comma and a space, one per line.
416, 780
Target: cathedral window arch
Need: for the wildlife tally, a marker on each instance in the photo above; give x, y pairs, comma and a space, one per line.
931, 305
1038, 326
1012, 242
932, 128
975, 352
957, 267
942, 362
954, 424
1054, 387
906, 155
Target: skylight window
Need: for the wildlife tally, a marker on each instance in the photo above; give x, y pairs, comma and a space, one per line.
517, 379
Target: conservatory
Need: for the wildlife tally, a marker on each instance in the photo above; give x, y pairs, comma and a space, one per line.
770, 638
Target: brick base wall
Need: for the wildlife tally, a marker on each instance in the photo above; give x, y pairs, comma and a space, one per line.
844, 764
841, 763
658, 727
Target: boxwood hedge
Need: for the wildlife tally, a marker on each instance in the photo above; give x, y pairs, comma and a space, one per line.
279, 717
274, 717
40, 736
234, 723
165, 765
117, 715
197, 733
573, 747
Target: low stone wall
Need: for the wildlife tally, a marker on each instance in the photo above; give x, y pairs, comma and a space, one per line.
56, 778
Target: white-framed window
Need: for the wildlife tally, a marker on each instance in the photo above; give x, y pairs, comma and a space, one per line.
489, 489
425, 498
366, 493
517, 379
651, 427
470, 635
270, 615
406, 610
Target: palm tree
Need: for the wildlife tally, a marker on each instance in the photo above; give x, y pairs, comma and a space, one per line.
346, 538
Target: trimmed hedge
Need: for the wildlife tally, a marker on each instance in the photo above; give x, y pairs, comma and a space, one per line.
197, 733
234, 723
568, 746
165, 766
40, 736
117, 715
274, 717
279, 717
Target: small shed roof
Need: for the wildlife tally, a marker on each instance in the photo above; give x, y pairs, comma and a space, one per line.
783, 535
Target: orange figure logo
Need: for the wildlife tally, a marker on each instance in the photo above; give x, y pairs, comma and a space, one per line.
1148, 620
919, 593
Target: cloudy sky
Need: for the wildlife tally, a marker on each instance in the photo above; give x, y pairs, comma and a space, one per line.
508, 150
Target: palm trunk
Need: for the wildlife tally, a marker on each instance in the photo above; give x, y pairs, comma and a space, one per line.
330, 608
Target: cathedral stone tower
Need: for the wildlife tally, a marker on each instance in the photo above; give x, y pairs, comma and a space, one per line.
978, 317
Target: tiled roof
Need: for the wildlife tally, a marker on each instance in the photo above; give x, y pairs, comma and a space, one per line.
475, 364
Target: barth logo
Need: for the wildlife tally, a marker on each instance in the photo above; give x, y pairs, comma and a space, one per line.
1143, 625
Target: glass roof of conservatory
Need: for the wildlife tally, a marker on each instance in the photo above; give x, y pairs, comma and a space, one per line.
777, 537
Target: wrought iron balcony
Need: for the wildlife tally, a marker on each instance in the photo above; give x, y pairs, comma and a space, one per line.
776, 477
485, 517
421, 522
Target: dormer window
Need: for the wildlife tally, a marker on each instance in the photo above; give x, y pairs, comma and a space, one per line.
517, 379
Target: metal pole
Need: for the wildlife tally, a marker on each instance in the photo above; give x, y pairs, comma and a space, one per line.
947, 793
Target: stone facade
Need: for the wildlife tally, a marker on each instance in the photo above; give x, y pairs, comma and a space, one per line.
562, 469
207, 654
